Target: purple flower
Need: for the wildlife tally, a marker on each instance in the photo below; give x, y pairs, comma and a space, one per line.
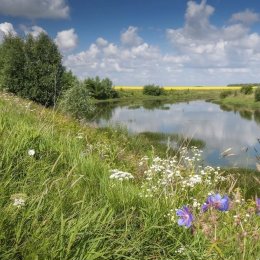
217, 202
185, 215
258, 206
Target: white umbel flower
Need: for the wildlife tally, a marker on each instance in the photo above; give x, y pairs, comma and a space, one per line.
31, 152
120, 175
19, 202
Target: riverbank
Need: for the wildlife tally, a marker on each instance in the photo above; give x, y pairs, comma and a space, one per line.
73, 191
171, 96
239, 101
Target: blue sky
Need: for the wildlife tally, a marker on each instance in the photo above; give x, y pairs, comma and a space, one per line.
136, 42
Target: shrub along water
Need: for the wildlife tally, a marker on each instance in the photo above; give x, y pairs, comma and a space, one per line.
77, 102
247, 89
153, 90
100, 89
257, 94
225, 94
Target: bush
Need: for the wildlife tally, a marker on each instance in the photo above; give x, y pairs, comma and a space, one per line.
77, 102
153, 90
225, 94
100, 89
257, 94
247, 90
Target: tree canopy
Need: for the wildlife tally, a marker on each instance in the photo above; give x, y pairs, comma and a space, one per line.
32, 68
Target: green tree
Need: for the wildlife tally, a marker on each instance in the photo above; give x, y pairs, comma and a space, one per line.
44, 68
100, 89
153, 90
257, 94
31, 68
12, 64
77, 102
30, 77
68, 80
247, 89
1, 66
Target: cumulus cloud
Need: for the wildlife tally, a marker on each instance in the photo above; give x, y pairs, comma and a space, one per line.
67, 39
137, 63
247, 17
209, 46
130, 37
101, 42
6, 29
202, 53
33, 30
32, 9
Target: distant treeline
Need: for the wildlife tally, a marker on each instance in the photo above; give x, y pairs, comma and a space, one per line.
244, 84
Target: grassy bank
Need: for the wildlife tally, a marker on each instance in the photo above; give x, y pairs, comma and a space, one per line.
59, 198
171, 96
197, 88
134, 95
240, 101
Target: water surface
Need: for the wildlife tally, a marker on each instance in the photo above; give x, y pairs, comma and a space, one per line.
220, 128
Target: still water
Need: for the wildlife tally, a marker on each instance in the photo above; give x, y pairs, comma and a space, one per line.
220, 128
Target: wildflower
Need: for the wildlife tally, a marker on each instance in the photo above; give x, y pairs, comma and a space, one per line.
18, 200
258, 206
186, 217
217, 202
120, 175
31, 152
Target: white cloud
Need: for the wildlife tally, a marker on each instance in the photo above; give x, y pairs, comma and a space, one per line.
101, 42
5, 29
67, 39
130, 37
247, 17
115, 61
32, 9
33, 30
110, 50
212, 47
202, 53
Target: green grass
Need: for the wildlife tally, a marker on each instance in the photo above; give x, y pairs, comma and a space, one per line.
129, 96
74, 211
240, 101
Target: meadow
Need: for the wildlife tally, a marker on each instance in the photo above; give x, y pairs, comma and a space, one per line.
181, 88
72, 191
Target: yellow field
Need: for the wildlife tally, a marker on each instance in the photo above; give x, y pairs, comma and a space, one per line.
181, 88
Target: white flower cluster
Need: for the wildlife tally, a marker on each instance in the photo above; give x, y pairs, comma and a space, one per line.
196, 204
143, 161
164, 176
180, 250
120, 175
18, 200
31, 152
190, 157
